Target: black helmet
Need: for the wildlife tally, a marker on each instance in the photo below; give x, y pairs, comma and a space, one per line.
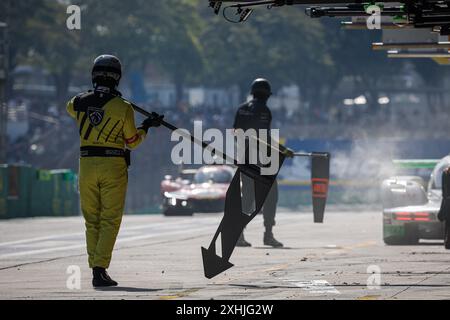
261, 88
107, 71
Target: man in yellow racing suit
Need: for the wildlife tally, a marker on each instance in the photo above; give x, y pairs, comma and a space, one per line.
107, 127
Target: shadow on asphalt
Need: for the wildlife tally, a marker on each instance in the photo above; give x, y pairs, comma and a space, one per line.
431, 243
387, 285
127, 289
272, 248
253, 286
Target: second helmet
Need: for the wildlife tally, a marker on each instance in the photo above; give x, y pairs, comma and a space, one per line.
261, 88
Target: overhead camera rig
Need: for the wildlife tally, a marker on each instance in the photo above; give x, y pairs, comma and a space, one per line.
244, 9
434, 14
430, 14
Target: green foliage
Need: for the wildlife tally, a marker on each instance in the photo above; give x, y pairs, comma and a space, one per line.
190, 45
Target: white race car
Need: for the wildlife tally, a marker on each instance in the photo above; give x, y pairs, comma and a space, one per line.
411, 206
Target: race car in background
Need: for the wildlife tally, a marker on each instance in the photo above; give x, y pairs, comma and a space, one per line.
196, 191
169, 184
411, 205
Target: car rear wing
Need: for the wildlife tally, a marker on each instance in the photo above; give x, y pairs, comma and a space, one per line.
416, 163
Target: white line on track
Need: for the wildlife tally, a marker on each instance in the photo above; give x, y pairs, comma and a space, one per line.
173, 228
119, 241
77, 234
315, 286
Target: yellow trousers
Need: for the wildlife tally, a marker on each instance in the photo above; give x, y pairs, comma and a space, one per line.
103, 186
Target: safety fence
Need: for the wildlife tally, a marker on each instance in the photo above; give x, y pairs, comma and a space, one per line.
29, 192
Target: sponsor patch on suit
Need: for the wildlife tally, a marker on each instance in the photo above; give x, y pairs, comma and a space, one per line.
95, 115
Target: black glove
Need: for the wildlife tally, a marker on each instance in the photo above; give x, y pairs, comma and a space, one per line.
288, 153
154, 121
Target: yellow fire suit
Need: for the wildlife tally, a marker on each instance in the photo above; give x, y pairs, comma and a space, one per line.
106, 125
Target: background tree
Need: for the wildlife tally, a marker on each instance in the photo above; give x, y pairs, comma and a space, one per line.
190, 45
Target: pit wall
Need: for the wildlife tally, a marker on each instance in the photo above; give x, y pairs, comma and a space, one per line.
28, 192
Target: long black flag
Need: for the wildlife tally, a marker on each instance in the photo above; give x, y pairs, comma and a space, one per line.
235, 217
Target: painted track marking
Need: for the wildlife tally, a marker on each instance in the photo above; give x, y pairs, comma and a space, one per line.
315, 286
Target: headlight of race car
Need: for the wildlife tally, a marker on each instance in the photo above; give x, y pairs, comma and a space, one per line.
174, 200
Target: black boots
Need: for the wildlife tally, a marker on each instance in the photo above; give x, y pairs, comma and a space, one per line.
101, 278
269, 240
447, 235
242, 242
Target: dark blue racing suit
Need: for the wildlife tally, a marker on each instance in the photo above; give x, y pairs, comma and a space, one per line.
256, 115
